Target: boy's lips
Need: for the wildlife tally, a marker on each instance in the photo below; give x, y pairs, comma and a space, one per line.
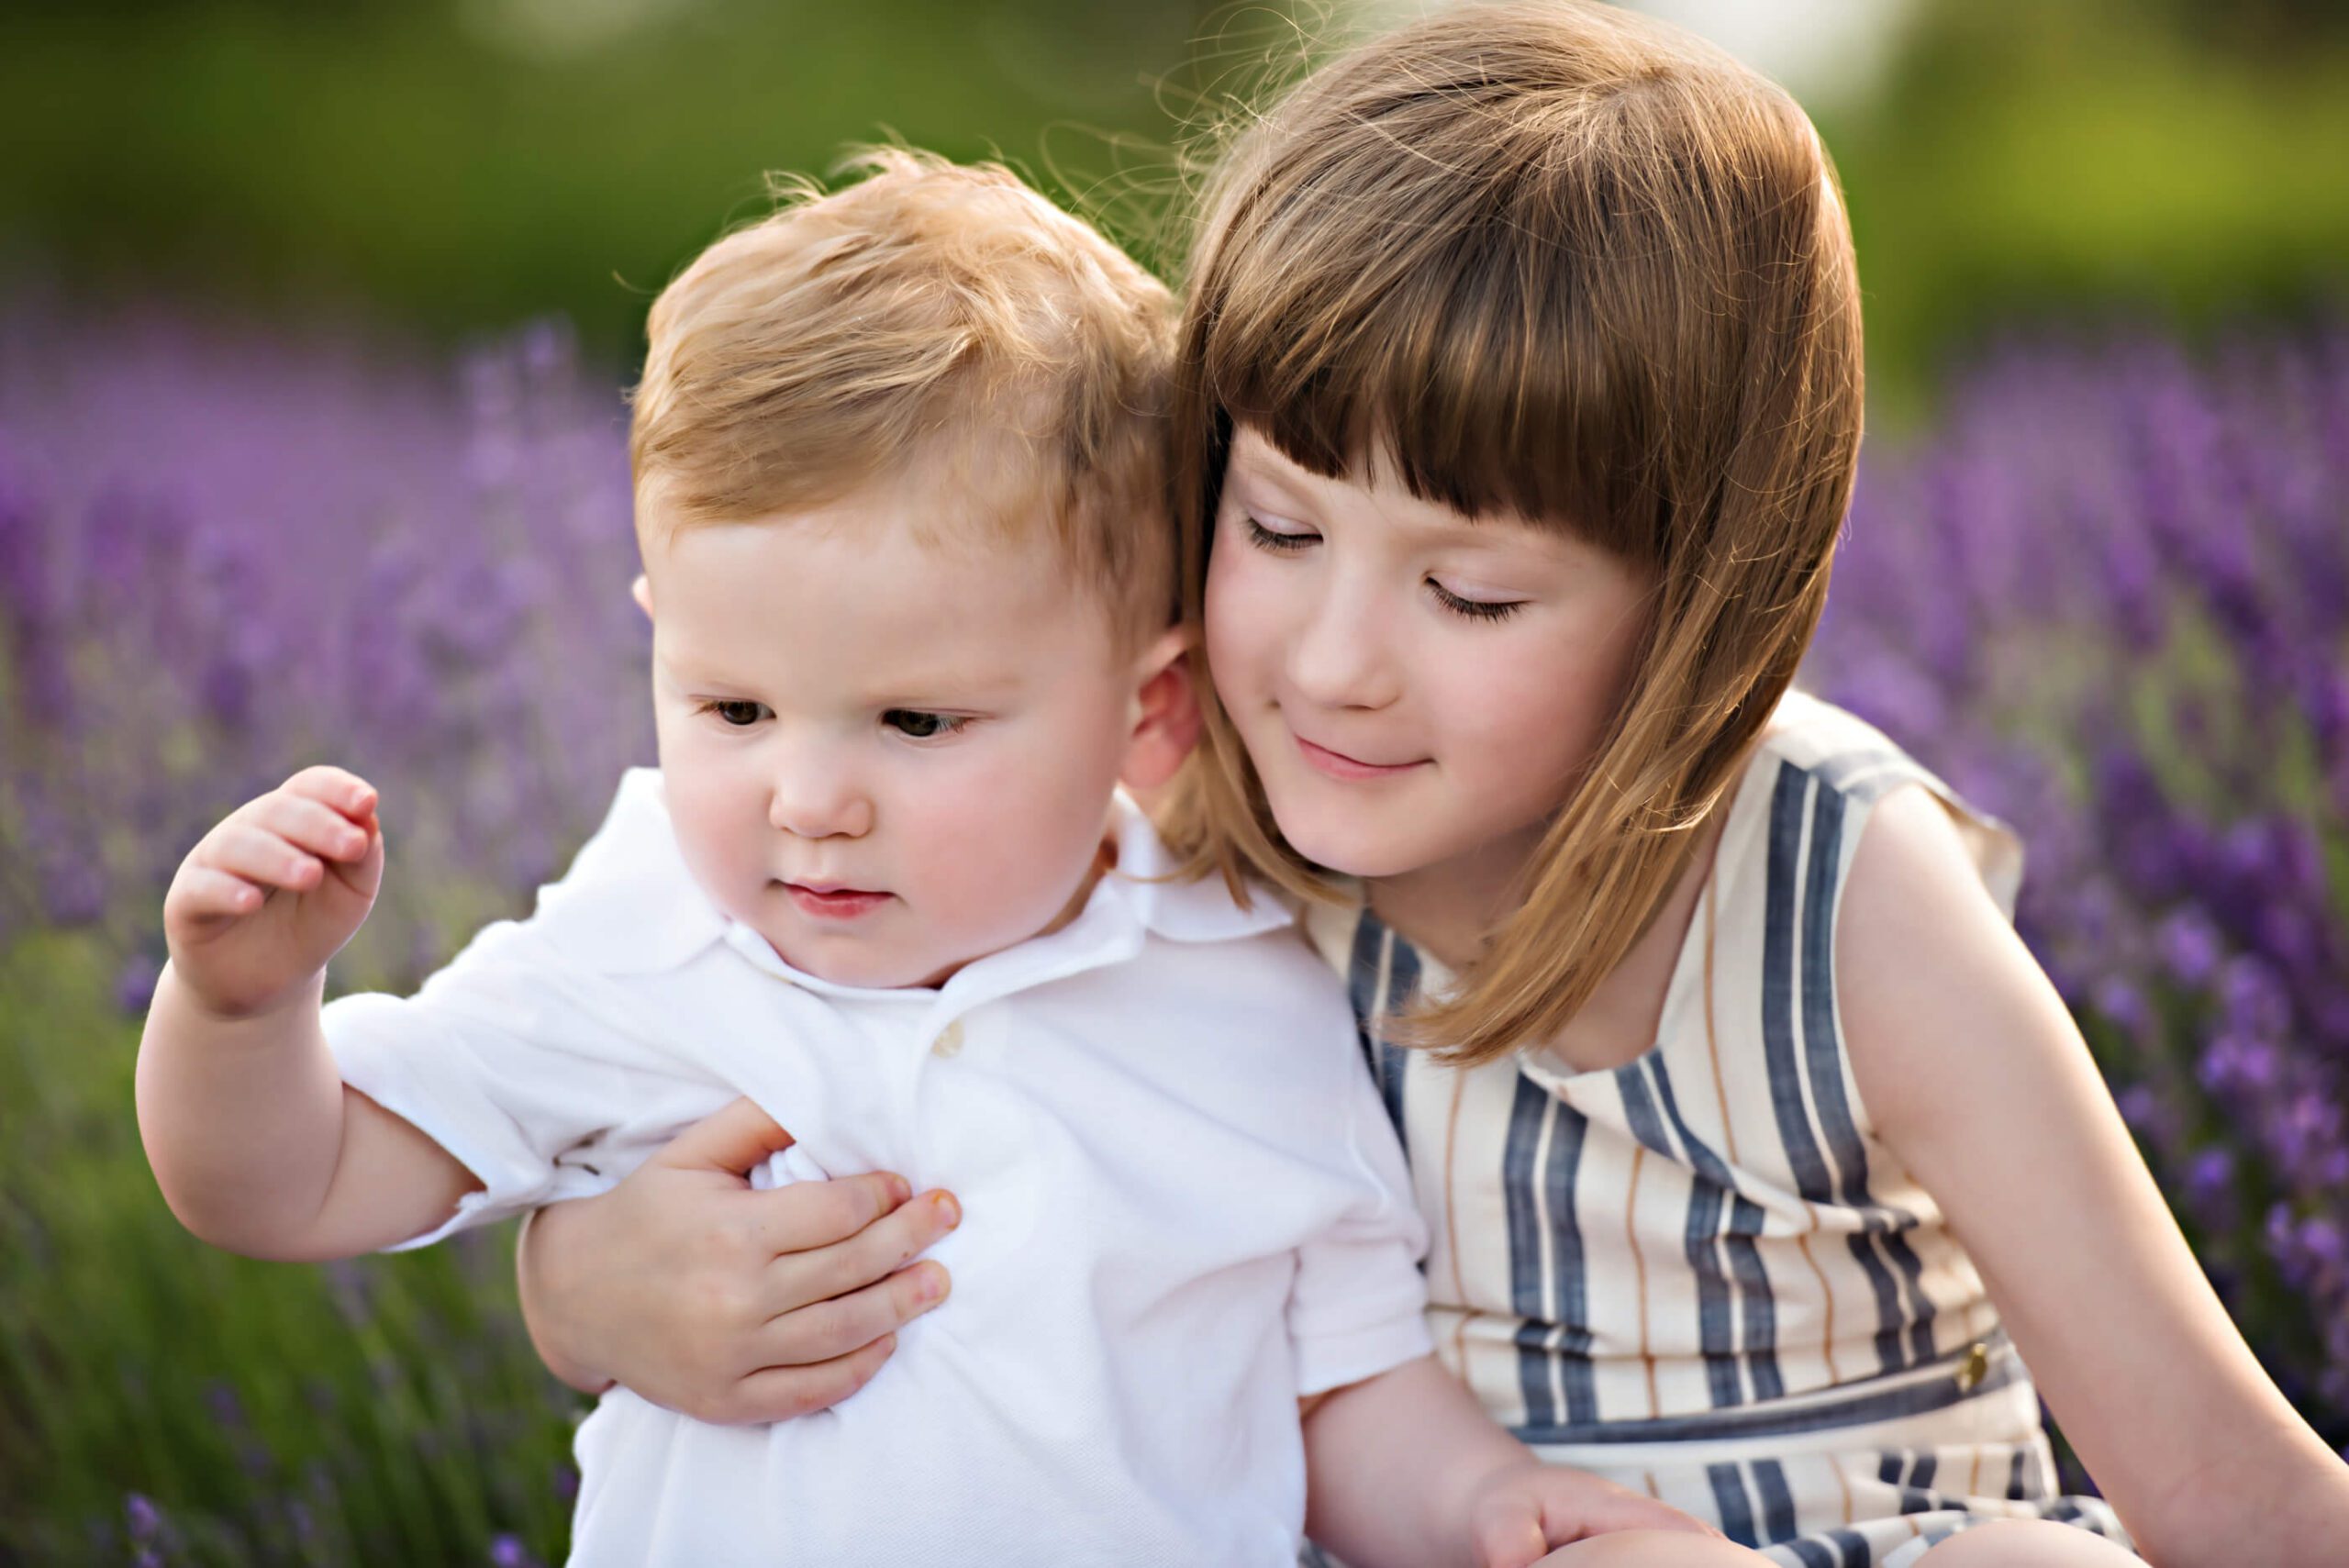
1338, 765
831, 901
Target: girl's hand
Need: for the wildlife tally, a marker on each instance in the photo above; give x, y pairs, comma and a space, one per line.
266, 897
728, 1305
1526, 1507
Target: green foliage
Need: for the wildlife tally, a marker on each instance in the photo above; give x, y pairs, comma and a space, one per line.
386, 1411
396, 154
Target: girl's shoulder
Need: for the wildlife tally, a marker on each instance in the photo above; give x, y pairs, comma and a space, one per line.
1819, 770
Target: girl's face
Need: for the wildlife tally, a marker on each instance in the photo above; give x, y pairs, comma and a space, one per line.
1417, 689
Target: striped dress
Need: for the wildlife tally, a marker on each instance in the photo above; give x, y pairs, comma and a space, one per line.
1700, 1274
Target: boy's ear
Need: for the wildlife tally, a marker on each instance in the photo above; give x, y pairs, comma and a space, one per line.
1167, 721
641, 591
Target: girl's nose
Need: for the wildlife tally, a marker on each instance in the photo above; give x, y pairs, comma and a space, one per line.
1341, 656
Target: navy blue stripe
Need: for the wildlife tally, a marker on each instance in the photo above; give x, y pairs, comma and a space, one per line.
1813, 1555
1736, 1509
1777, 1500
1571, 1354
1914, 1500
1362, 971
1852, 1547
1523, 1139
1699, 1243
1385, 1062
1777, 988
1402, 989
2016, 1488
1922, 1472
1912, 1398
1897, 1340
1890, 1468
1756, 1307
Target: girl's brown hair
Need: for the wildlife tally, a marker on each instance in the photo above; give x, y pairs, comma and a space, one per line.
1562, 264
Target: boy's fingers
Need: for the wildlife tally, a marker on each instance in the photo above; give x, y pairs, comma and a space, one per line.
785, 1392
345, 792
733, 1139
259, 855
307, 824
207, 892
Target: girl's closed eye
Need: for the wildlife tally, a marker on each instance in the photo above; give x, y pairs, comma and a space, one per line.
919, 724
1472, 604
1278, 534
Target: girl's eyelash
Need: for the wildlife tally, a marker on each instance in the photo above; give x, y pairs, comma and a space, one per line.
1474, 609
1264, 538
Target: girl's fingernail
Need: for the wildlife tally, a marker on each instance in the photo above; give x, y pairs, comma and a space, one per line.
949, 1210
900, 1189
933, 1287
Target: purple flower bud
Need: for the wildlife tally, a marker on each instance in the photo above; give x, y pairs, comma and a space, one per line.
146, 1521
134, 986
2188, 946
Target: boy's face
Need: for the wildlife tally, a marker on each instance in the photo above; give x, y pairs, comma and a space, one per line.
888, 758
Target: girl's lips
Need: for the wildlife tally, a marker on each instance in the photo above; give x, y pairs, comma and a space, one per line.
834, 903
1338, 765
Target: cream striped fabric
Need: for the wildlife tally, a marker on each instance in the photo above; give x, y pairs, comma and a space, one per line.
1700, 1274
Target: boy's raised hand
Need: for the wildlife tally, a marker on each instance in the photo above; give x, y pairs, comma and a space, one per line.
267, 896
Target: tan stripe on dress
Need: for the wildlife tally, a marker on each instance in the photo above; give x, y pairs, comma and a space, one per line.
1640, 1268
1712, 1038
1452, 1226
1826, 1301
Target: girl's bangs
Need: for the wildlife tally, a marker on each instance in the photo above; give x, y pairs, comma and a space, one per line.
1458, 367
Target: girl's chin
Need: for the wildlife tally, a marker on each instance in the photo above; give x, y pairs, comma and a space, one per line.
1363, 854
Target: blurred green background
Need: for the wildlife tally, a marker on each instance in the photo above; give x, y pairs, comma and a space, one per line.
462, 165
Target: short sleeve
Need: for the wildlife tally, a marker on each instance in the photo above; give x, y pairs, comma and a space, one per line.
1358, 1306
506, 1060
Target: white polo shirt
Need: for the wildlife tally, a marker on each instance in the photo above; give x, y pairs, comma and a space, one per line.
1184, 1205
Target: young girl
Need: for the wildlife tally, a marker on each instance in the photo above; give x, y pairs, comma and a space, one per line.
1523, 402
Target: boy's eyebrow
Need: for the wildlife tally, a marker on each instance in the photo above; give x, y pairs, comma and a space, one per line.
961, 684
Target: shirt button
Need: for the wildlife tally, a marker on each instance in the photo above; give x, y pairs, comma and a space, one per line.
1973, 1368
948, 1041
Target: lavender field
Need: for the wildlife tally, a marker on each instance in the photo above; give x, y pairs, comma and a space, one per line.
2107, 592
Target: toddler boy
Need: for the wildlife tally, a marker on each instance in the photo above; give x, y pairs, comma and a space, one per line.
907, 559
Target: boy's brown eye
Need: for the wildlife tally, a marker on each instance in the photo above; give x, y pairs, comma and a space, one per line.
740, 715
919, 725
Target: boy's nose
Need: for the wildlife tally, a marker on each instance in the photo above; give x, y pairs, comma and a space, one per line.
809, 804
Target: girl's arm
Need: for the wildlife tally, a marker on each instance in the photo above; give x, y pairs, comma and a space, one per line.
1977, 1078
728, 1305
1405, 1469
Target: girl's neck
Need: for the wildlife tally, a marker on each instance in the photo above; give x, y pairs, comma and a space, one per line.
1446, 910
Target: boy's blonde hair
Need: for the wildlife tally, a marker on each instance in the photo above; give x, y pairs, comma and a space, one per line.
1562, 263
931, 320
